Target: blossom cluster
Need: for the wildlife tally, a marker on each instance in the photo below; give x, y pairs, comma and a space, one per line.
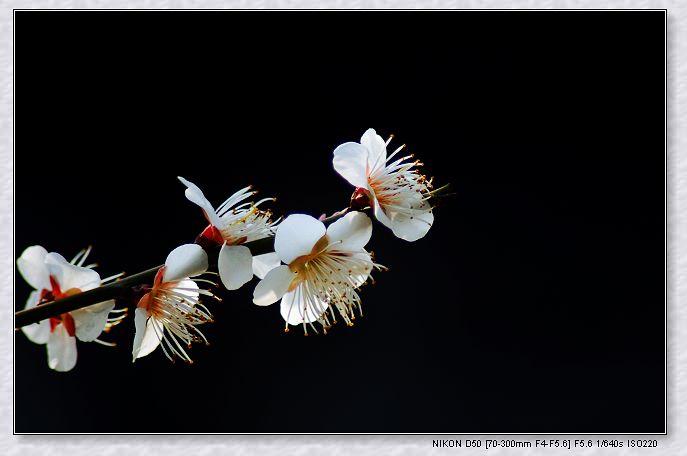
315, 271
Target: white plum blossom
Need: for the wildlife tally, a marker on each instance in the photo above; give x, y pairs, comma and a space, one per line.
53, 277
231, 225
324, 268
168, 314
397, 192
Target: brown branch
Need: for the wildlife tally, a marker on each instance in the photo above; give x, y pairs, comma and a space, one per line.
123, 288
120, 289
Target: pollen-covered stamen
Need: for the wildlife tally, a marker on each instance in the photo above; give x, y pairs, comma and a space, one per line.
399, 186
246, 223
326, 280
80, 257
237, 222
176, 306
236, 198
112, 321
111, 278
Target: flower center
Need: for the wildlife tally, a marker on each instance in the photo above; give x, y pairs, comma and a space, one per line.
301, 265
68, 322
150, 301
56, 293
326, 281
384, 193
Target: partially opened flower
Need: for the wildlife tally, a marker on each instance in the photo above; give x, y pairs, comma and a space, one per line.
324, 267
53, 278
168, 314
231, 225
396, 191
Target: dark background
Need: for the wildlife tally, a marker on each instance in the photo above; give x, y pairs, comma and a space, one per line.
534, 304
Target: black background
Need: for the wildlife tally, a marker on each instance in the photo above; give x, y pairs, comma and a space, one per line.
534, 304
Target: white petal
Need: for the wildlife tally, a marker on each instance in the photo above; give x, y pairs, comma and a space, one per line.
61, 349
31, 266
188, 288
412, 229
195, 195
148, 334
235, 264
90, 321
380, 215
270, 289
187, 260
360, 277
262, 264
69, 275
350, 160
37, 333
296, 236
295, 312
353, 230
376, 148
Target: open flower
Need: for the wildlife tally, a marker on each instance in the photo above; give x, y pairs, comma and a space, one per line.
231, 225
168, 314
396, 191
53, 278
324, 267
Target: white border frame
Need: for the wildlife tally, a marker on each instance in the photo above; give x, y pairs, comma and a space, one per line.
361, 444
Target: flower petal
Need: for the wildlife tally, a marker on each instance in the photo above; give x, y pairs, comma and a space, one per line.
296, 236
148, 334
379, 213
294, 310
359, 277
37, 333
235, 264
412, 229
90, 321
376, 148
350, 160
353, 231
69, 275
262, 264
195, 195
187, 289
31, 266
273, 286
187, 260
61, 349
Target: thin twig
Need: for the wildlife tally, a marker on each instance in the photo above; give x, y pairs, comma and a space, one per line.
123, 288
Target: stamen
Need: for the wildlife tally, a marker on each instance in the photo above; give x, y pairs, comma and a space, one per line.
102, 342
328, 282
112, 277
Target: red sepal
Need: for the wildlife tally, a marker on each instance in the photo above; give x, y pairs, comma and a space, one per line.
68, 322
54, 284
212, 235
360, 199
